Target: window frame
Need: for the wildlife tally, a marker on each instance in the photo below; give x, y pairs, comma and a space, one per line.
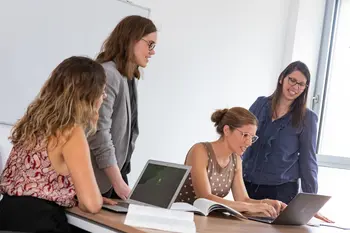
319, 97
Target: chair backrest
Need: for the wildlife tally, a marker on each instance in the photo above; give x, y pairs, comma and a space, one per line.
1, 162
5, 145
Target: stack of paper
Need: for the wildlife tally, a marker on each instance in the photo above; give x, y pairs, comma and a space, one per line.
160, 219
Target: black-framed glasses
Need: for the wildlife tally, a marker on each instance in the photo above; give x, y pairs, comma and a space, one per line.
246, 136
151, 44
293, 82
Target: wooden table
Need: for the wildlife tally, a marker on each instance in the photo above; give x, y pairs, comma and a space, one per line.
107, 221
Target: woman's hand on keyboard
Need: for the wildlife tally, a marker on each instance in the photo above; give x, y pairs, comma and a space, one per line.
261, 209
278, 205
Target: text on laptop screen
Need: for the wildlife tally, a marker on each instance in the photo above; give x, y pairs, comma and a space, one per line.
158, 185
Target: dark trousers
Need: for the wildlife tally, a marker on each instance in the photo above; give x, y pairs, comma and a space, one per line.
284, 192
111, 193
30, 214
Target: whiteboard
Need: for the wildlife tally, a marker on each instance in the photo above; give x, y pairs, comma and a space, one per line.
36, 35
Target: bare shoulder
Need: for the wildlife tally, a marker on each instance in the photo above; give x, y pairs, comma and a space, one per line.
238, 160
77, 139
197, 154
77, 133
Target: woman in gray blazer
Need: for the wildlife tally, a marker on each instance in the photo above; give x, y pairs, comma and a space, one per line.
129, 46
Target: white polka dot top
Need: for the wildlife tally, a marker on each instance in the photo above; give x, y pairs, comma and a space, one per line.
220, 178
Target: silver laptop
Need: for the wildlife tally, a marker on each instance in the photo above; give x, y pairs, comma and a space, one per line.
299, 211
158, 185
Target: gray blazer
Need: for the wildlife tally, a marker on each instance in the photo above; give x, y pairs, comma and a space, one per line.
111, 143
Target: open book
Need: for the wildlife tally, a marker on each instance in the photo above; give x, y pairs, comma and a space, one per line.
204, 207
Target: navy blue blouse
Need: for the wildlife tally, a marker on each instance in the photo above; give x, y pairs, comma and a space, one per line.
282, 153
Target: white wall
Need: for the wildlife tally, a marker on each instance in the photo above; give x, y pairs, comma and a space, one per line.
306, 24
209, 55
215, 54
225, 54
49, 31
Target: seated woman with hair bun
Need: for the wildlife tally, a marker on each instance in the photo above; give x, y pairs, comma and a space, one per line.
217, 165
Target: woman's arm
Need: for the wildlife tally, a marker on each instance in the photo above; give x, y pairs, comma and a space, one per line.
307, 158
101, 143
198, 159
76, 155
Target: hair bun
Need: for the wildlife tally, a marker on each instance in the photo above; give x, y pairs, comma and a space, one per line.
217, 116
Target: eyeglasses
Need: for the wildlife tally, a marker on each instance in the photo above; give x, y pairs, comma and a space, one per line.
151, 44
293, 82
246, 136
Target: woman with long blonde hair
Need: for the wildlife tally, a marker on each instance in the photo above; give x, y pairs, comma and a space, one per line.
50, 161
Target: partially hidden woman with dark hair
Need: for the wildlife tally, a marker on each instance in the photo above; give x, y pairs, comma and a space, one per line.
130, 46
286, 149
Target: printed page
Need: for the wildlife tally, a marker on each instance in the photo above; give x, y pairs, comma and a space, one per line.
157, 211
208, 206
204, 205
160, 219
183, 206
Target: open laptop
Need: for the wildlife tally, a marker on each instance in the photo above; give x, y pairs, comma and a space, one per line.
158, 185
299, 211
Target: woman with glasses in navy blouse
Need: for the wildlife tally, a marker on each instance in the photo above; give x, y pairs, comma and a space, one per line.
286, 149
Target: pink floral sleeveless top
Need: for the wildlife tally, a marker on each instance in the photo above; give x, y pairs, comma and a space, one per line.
29, 173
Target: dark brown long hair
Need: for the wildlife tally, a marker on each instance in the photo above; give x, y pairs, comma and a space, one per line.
235, 117
118, 47
298, 107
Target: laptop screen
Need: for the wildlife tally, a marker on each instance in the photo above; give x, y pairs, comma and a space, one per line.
158, 184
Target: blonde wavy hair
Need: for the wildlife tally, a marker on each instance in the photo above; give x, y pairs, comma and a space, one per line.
67, 99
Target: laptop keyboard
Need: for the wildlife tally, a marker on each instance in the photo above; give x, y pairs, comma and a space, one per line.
269, 219
123, 204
